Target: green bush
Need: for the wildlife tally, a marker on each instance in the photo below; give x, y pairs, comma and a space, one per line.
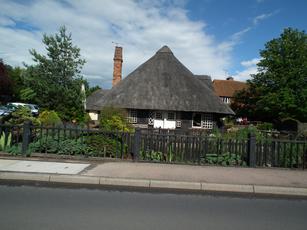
265, 126
16, 150
105, 144
224, 159
49, 118
5, 141
62, 146
114, 119
242, 134
152, 155
22, 114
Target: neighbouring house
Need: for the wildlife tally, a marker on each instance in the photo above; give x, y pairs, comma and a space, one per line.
90, 106
161, 93
226, 89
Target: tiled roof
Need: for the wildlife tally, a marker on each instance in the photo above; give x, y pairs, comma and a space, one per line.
227, 88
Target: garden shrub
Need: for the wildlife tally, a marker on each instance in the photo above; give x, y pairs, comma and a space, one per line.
225, 159
16, 150
114, 119
5, 141
265, 126
49, 118
151, 155
61, 146
22, 114
105, 144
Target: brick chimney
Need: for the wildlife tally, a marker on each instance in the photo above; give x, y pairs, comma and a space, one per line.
117, 68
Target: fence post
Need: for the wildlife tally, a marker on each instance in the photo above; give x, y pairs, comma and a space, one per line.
251, 150
136, 146
26, 136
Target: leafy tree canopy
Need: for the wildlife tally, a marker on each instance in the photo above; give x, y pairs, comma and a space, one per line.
5, 83
279, 90
55, 81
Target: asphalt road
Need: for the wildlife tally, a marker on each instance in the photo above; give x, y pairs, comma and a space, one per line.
42, 208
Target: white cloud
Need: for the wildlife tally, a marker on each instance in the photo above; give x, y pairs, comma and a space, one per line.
233, 40
250, 63
250, 67
141, 27
262, 17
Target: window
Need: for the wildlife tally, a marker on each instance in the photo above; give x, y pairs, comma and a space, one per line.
150, 118
178, 119
159, 115
132, 116
170, 116
196, 120
204, 121
207, 121
226, 100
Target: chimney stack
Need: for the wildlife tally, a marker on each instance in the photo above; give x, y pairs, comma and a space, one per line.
117, 68
229, 78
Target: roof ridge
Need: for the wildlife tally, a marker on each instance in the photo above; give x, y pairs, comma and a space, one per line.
164, 49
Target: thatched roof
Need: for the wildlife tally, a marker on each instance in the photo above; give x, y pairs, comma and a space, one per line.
163, 83
92, 99
205, 79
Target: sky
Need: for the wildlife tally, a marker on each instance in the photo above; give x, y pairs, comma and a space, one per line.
219, 38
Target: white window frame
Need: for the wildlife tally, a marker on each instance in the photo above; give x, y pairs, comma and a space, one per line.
226, 100
206, 121
132, 116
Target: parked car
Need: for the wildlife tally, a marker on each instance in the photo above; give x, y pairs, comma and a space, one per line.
4, 111
34, 109
14, 105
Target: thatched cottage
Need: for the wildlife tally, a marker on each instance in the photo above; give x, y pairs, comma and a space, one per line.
161, 93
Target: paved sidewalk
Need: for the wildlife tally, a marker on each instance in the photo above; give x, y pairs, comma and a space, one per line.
41, 166
162, 176
209, 174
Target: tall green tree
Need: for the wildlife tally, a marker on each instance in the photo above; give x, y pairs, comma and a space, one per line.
5, 84
279, 89
55, 81
88, 89
17, 77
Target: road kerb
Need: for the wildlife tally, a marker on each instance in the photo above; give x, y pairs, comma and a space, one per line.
292, 191
175, 185
74, 179
124, 182
24, 176
227, 188
155, 184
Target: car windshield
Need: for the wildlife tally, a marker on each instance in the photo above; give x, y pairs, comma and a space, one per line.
10, 106
32, 106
